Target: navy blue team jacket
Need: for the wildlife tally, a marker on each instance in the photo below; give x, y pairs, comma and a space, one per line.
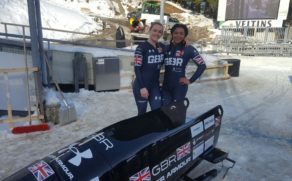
148, 62
176, 60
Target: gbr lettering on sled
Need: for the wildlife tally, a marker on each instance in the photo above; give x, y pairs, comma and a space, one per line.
145, 147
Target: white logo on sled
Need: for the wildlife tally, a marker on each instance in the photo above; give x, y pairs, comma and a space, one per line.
100, 138
94, 179
209, 143
65, 168
197, 129
76, 160
198, 150
209, 123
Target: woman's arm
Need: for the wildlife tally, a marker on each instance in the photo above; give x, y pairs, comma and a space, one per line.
138, 63
200, 62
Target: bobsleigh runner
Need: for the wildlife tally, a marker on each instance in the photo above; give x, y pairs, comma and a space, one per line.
159, 145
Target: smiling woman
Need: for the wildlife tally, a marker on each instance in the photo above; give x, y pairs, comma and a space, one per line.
177, 56
148, 61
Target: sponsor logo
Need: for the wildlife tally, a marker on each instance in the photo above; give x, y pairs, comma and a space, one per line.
208, 123
183, 151
142, 175
157, 98
208, 134
254, 23
173, 61
100, 138
178, 167
198, 150
41, 170
176, 69
76, 160
175, 169
198, 139
197, 129
151, 51
209, 142
155, 59
65, 168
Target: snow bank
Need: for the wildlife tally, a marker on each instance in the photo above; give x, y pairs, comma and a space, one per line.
193, 20
53, 16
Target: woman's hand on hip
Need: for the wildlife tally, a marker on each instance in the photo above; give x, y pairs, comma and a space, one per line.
184, 81
144, 93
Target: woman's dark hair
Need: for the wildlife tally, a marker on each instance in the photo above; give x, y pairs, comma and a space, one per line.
183, 43
184, 27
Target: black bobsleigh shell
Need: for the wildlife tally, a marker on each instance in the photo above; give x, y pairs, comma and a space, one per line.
146, 147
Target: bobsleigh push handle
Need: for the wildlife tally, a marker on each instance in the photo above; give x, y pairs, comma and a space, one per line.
176, 111
220, 110
186, 102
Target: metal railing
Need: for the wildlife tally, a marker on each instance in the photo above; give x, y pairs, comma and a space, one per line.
86, 39
43, 28
255, 41
244, 41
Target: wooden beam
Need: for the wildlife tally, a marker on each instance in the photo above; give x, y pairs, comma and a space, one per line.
218, 66
19, 119
21, 69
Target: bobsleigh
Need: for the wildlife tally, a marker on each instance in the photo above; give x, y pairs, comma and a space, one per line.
159, 145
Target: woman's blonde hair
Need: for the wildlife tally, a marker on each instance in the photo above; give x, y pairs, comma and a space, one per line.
155, 23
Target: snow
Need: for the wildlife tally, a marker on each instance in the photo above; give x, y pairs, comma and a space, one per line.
54, 15
191, 20
51, 97
102, 8
178, 6
256, 126
76, 16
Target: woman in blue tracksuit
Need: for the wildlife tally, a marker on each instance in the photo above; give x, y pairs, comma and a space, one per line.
177, 56
148, 60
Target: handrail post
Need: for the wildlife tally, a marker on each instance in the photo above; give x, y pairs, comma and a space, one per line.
27, 77
286, 35
5, 27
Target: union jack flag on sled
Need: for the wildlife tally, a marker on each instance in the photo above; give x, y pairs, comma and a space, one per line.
143, 175
183, 151
41, 170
